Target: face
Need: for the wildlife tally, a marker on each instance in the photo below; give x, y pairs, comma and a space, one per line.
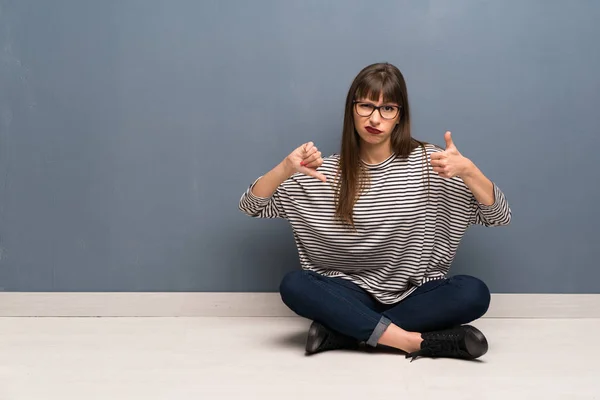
375, 129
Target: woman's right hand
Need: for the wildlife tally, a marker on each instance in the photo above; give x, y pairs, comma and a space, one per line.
306, 159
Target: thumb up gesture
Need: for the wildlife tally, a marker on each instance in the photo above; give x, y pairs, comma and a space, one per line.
449, 163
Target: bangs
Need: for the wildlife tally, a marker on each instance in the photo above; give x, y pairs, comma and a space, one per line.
374, 85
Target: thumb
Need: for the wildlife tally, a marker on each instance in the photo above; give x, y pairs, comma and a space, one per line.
449, 142
314, 173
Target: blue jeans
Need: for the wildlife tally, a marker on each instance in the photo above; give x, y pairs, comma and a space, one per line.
346, 308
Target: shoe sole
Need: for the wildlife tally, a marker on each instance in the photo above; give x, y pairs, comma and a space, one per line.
475, 342
313, 340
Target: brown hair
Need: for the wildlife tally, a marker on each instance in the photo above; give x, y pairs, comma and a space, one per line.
353, 178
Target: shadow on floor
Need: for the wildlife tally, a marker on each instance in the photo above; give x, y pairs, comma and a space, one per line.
295, 340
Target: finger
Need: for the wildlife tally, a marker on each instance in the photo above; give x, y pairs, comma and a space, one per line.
308, 146
309, 153
445, 174
315, 164
315, 156
438, 163
313, 173
440, 155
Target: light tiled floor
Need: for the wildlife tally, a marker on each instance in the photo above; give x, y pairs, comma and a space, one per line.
263, 358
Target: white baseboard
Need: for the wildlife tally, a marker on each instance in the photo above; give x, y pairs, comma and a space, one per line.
117, 304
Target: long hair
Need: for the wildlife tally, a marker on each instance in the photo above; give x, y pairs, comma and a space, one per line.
353, 178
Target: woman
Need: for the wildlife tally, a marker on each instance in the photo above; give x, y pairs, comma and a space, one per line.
377, 228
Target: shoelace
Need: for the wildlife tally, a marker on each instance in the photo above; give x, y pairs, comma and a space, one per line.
442, 344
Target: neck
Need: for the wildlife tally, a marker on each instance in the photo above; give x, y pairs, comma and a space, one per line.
375, 153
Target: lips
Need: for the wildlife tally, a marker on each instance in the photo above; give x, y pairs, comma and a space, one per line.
372, 130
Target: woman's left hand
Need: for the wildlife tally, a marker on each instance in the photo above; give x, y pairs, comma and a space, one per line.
450, 163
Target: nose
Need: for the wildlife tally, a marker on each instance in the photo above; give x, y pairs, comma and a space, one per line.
375, 118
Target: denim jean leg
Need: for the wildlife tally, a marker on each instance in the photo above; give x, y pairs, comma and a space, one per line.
441, 304
338, 306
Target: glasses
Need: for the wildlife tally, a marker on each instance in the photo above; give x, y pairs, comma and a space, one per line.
366, 109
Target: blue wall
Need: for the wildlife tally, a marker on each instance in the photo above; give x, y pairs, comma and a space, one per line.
129, 130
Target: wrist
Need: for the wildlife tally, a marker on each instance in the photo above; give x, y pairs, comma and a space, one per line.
286, 168
469, 170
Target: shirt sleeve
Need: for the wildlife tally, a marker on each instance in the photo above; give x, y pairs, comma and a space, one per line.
496, 214
262, 207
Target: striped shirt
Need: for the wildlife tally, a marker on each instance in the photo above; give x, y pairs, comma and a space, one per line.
407, 230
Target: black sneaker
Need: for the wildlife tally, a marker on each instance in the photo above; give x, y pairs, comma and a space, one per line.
322, 339
465, 342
